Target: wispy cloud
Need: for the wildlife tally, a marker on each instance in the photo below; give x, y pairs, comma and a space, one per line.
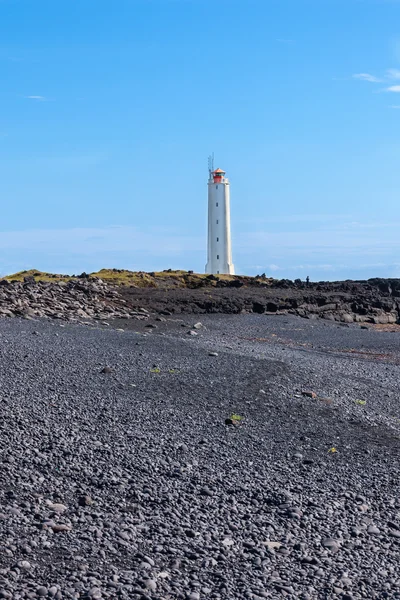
395, 106
37, 98
393, 88
393, 73
92, 240
285, 41
367, 77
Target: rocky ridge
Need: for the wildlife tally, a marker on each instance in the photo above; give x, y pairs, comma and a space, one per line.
71, 301
88, 297
374, 301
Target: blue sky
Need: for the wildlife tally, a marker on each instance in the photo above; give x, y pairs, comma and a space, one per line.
108, 111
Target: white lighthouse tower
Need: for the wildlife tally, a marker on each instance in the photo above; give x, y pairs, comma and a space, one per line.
219, 251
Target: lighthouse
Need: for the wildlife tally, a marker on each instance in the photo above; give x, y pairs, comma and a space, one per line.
219, 249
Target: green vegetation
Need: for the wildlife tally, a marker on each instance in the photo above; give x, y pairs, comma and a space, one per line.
38, 275
161, 279
236, 417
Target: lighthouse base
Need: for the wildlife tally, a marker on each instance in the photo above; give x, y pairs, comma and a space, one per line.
226, 269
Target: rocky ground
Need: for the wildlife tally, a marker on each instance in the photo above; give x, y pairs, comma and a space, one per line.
249, 456
374, 301
79, 300
123, 294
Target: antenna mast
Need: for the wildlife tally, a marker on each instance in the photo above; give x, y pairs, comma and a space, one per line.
211, 163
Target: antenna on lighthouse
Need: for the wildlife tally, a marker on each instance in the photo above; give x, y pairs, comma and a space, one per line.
211, 163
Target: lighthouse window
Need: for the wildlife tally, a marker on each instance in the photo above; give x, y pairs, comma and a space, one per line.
217, 256
216, 204
216, 187
217, 221
217, 239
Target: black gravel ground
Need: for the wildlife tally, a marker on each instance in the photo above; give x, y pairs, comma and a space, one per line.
129, 483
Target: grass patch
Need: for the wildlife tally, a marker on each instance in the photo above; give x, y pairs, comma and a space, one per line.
38, 275
157, 279
236, 417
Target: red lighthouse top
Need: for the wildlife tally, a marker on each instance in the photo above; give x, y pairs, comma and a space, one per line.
218, 175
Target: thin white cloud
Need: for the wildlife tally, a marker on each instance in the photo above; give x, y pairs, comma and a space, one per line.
108, 239
38, 98
395, 106
394, 88
393, 73
367, 77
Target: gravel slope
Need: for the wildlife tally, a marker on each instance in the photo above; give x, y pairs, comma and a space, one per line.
129, 484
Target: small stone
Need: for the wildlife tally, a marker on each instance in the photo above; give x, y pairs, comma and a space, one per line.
213, 354
309, 394
298, 455
394, 533
197, 326
337, 590
107, 370
57, 508
60, 528
42, 591
151, 584
330, 544
151, 326
190, 533
272, 545
284, 588
24, 564
85, 500
227, 542
230, 421
193, 333
372, 530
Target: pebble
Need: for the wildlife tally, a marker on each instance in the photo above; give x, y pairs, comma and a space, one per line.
151, 584
372, 530
309, 394
205, 509
331, 544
